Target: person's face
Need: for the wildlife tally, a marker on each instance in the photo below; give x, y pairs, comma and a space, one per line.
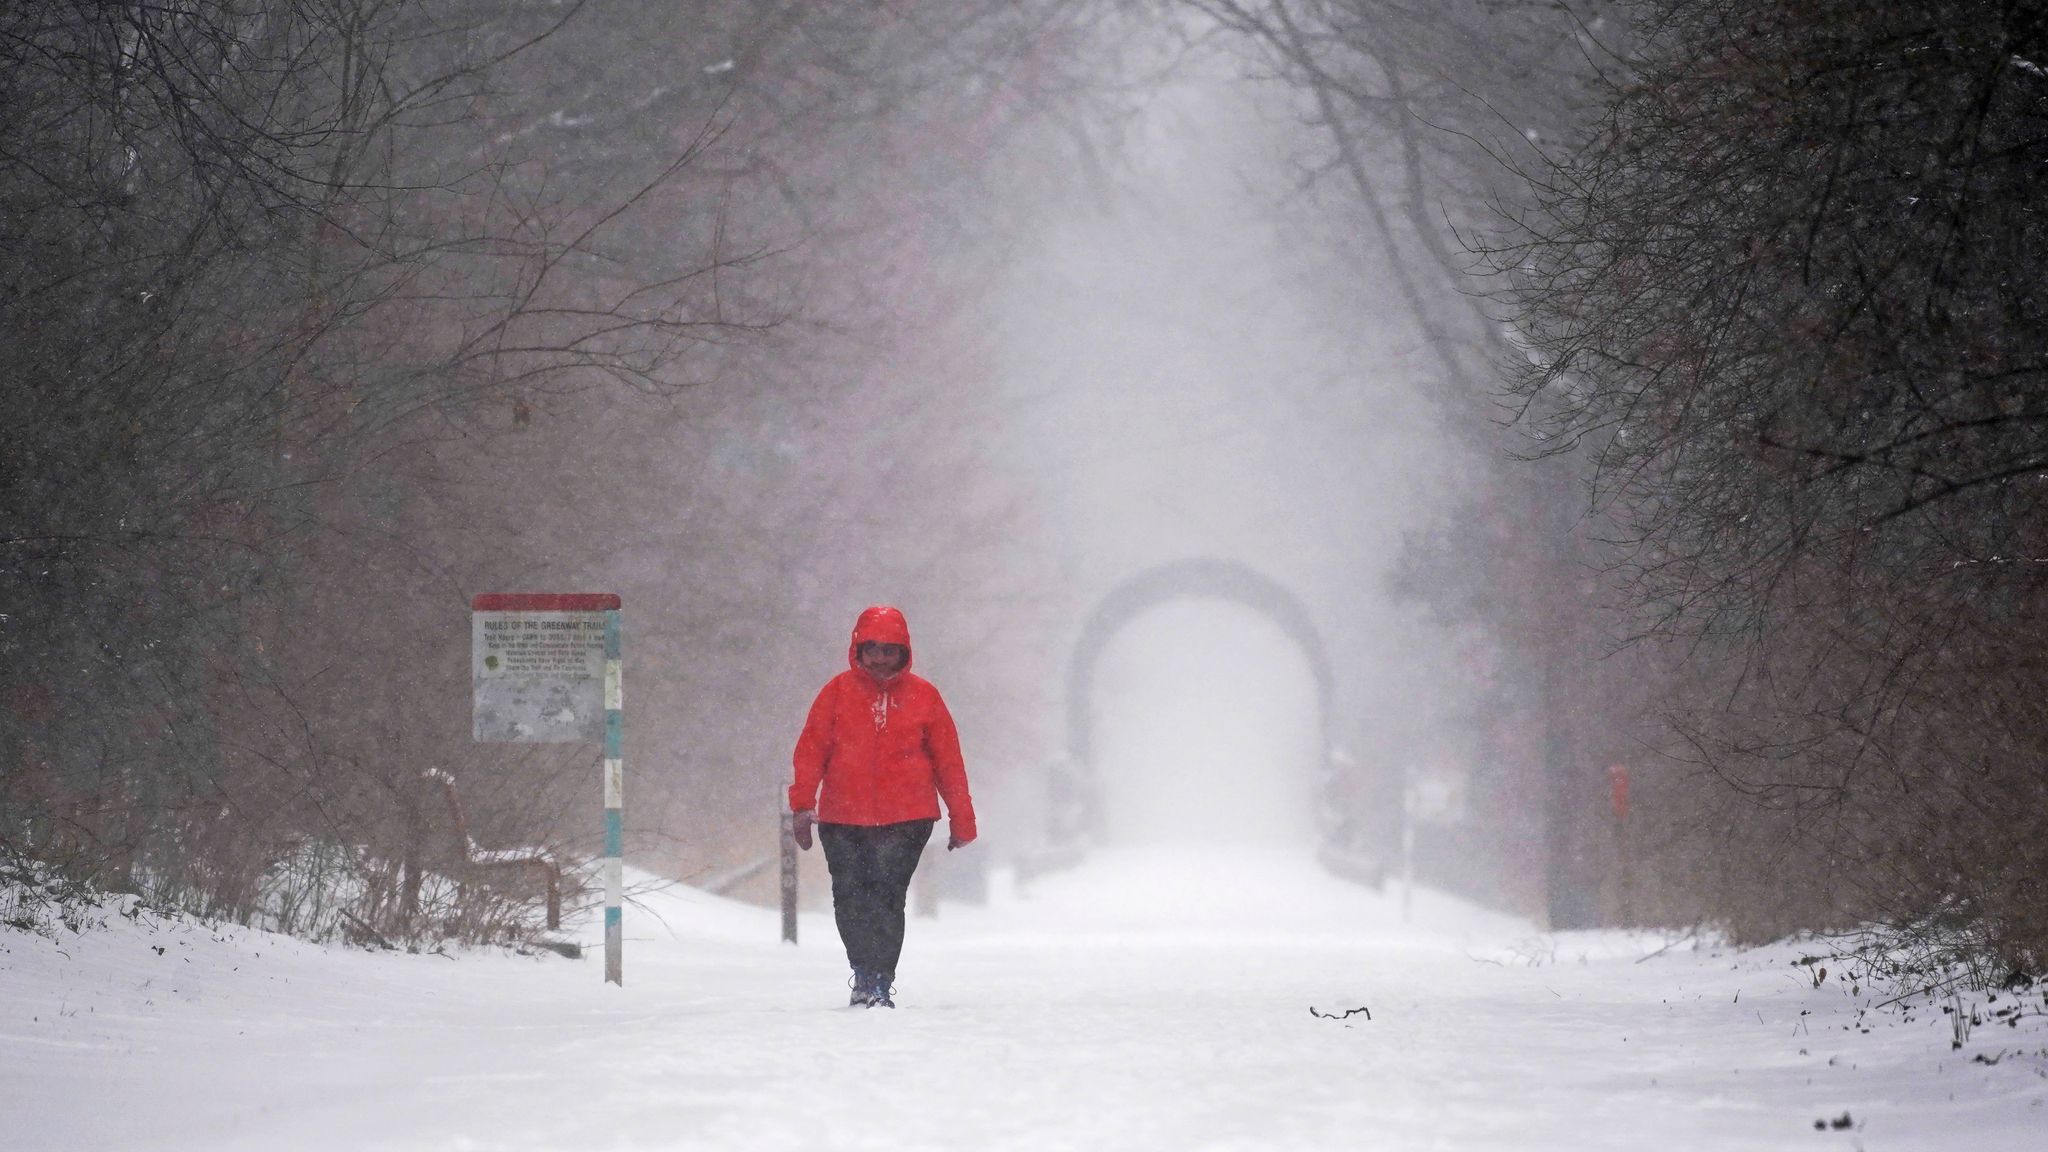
882, 660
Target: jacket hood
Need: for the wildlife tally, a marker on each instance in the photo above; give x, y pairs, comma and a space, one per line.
883, 625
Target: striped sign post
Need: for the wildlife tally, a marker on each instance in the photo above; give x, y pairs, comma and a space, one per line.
547, 670
614, 800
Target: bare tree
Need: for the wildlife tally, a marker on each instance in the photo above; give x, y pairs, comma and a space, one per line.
1787, 300
238, 259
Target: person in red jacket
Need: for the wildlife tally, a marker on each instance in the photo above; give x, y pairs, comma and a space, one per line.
883, 747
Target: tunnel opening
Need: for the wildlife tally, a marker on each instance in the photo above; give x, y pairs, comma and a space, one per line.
1082, 801
1206, 731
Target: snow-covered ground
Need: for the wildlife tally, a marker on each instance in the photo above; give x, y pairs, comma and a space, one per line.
1141, 1002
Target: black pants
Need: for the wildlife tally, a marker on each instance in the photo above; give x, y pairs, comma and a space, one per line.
871, 870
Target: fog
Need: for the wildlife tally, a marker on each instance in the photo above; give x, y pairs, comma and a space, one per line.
1173, 346
1003, 327
1198, 361
1396, 497
1207, 732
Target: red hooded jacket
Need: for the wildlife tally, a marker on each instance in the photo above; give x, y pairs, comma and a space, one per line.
885, 751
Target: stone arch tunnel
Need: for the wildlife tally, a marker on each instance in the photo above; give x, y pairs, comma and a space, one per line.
1074, 812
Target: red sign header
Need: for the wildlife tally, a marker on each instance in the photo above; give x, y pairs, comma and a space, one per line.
545, 602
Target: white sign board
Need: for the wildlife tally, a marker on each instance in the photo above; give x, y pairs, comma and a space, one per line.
537, 661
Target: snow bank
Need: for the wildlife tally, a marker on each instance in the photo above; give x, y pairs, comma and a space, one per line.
1099, 1009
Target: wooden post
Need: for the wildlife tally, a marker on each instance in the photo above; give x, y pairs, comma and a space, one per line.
1617, 783
787, 850
924, 889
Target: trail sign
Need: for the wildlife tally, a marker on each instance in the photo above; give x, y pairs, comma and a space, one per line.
537, 662
546, 669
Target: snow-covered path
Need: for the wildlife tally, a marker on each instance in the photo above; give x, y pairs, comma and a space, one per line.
1064, 1020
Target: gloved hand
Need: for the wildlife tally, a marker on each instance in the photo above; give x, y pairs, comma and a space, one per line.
955, 840
800, 828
